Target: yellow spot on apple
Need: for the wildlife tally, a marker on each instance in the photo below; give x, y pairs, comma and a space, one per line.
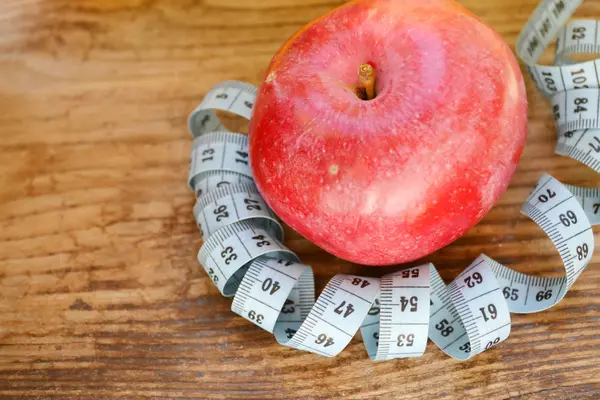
270, 77
333, 169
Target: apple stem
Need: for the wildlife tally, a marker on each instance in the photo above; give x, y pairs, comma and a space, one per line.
366, 76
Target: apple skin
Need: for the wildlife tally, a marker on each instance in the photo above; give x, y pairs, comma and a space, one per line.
395, 178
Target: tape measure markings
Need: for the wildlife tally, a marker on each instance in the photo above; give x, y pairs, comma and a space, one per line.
405, 323
231, 203
575, 150
543, 26
589, 198
235, 245
267, 276
210, 153
212, 180
575, 39
232, 96
562, 82
337, 305
478, 287
581, 109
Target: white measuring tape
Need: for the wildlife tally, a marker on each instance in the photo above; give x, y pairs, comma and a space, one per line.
572, 87
243, 252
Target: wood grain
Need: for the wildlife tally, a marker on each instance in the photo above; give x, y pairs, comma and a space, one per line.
101, 295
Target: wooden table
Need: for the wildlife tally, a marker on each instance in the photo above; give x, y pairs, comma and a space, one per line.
101, 295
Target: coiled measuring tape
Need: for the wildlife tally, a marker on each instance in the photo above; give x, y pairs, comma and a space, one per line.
573, 87
243, 251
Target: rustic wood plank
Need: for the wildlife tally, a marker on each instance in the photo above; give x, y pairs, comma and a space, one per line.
100, 292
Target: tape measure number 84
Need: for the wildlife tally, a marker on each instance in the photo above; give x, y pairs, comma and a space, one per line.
244, 255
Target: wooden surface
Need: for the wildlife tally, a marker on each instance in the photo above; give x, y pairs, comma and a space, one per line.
101, 295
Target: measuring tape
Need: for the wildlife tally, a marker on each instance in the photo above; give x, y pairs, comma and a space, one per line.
244, 255
573, 87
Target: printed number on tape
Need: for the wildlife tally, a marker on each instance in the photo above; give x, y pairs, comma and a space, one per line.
572, 87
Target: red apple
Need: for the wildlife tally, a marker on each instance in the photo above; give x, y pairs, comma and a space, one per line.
390, 179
